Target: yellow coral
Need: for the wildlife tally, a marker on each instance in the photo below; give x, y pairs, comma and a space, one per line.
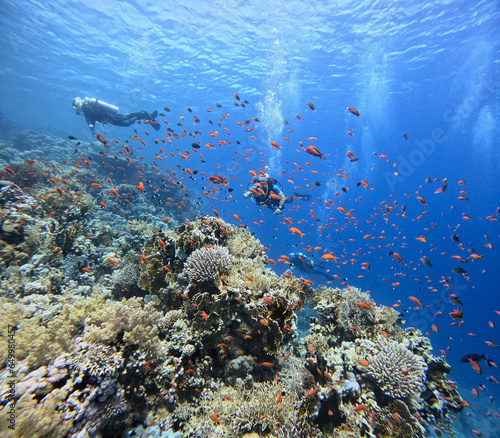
38, 341
138, 324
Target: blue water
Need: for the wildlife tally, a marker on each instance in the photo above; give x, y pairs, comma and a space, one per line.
431, 70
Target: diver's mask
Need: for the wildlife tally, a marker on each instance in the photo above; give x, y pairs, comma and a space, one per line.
77, 105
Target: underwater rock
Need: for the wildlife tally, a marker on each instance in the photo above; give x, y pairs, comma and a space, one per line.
50, 403
34, 288
124, 278
7, 253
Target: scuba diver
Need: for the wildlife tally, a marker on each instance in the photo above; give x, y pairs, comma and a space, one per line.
268, 192
96, 110
305, 264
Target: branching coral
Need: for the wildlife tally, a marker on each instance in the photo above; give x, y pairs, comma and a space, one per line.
302, 429
261, 278
206, 230
318, 342
352, 317
208, 264
398, 372
244, 245
295, 377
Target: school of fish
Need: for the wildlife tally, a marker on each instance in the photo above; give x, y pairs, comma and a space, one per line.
359, 245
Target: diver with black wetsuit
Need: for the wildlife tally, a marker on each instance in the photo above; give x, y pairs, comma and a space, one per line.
96, 110
303, 263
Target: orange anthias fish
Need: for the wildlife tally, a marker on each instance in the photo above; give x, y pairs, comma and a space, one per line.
364, 306
457, 314
476, 366
421, 200
416, 301
217, 179
101, 139
354, 111
329, 257
313, 150
297, 232
398, 257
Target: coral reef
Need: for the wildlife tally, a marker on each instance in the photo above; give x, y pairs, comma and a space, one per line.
51, 402
263, 409
148, 323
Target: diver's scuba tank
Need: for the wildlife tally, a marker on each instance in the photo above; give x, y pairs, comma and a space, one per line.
103, 105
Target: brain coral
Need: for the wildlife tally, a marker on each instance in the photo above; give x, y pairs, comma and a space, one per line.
398, 371
206, 264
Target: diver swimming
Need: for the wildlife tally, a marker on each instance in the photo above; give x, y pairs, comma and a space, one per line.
96, 110
268, 192
303, 263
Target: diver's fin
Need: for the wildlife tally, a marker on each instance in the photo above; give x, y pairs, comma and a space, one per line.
154, 123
